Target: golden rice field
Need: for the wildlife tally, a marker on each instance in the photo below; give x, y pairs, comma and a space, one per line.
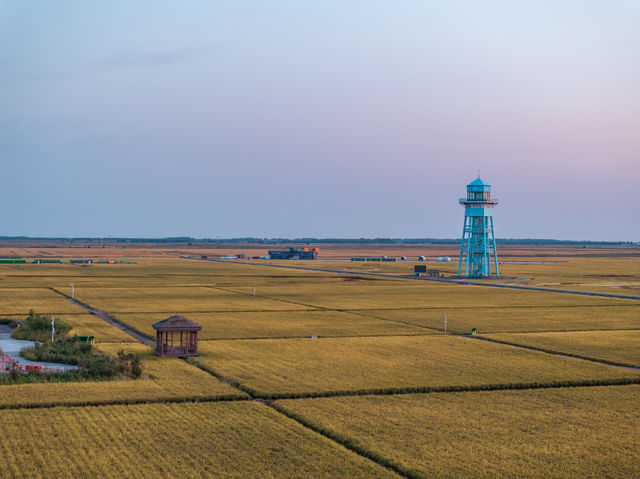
405, 294
279, 324
89, 325
372, 344
230, 439
164, 379
20, 300
617, 346
147, 272
618, 274
307, 366
552, 433
175, 299
496, 319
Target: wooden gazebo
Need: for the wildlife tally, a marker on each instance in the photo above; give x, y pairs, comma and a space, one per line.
176, 336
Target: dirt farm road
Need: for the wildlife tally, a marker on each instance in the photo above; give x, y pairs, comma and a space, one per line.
105, 317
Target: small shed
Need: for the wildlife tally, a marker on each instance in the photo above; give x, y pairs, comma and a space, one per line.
433, 273
176, 336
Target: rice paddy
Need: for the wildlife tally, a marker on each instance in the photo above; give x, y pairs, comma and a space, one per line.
20, 300
171, 440
615, 346
312, 366
169, 299
497, 319
362, 378
553, 433
280, 324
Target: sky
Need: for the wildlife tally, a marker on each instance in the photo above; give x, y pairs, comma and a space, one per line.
319, 118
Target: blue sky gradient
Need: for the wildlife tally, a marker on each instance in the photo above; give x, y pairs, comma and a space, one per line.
325, 119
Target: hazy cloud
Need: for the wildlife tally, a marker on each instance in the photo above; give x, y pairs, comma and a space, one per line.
157, 58
124, 59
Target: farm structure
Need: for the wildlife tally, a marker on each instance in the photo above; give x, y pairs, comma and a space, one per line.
478, 239
176, 336
421, 270
12, 260
375, 258
47, 260
80, 261
293, 253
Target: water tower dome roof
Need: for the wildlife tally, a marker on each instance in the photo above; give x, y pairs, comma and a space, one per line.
478, 182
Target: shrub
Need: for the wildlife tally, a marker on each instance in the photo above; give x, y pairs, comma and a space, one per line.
93, 364
11, 322
65, 351
130, 364
37, 327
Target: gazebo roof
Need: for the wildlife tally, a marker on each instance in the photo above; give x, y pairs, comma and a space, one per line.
176, 322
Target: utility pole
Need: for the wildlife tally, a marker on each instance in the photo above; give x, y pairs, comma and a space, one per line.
445, 323
53, 329
73, 291
254, 290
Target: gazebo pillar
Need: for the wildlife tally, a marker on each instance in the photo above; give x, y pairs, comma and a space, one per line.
159, 343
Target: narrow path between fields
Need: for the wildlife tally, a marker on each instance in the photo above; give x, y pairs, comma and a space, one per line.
105, 317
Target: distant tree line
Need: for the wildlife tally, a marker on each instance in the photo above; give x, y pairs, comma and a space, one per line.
254, 240
188, 240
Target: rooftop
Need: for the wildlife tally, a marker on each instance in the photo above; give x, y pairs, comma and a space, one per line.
478, 182
176, 321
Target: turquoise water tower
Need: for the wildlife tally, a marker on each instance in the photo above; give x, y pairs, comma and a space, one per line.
478, 241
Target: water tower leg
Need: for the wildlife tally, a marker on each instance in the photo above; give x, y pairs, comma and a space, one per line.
464, 228
495, 254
